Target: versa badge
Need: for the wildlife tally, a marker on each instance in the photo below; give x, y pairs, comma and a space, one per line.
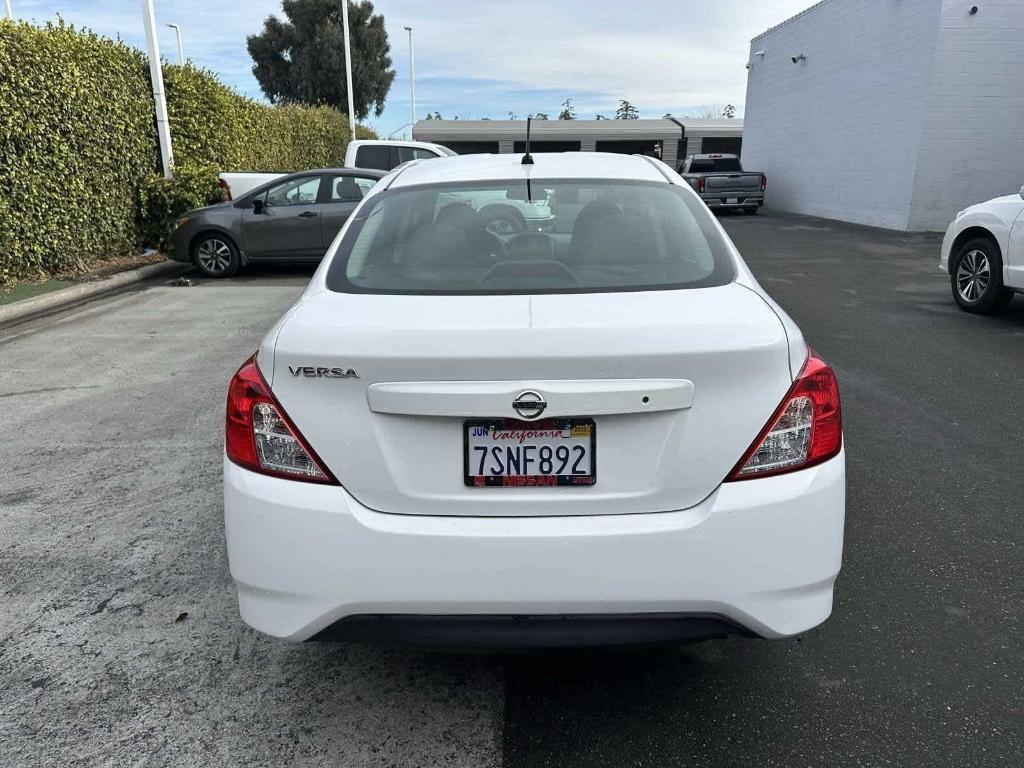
320, 372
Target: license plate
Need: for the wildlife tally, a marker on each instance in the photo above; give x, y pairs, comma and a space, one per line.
549, 452
732, 200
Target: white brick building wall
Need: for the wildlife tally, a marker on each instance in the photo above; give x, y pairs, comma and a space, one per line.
972, 140
904, 112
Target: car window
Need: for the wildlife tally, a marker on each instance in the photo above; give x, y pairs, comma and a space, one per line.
349, 189
299, 191
500, 237
716, 165
373, 156
405, 154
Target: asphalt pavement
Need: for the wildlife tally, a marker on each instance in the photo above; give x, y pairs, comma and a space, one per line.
119, 637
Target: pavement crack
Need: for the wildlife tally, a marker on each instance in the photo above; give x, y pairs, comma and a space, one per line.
86, 652
45, 390
102, 605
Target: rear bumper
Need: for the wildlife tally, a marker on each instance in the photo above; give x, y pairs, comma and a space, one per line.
719, 201
540, 631
540, 224
760, 555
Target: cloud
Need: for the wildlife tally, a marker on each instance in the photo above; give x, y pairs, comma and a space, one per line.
484, 58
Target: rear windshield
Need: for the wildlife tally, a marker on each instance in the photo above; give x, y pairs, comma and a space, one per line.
557, 236
716, 165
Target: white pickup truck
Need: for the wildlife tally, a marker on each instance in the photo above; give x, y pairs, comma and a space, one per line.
364, 153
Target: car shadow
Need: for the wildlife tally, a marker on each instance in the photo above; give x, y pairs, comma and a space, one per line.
259, 274
701, 704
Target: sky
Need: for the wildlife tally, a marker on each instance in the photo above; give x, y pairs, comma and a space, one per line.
485, 58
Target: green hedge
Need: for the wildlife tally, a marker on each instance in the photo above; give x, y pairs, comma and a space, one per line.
78, 150
162, 200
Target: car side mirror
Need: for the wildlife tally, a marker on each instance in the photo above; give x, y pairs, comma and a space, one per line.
1022, 192
257, 206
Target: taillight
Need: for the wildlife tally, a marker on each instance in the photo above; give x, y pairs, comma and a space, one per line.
258, 434
700, 186
225, 190
806, 429
764, 182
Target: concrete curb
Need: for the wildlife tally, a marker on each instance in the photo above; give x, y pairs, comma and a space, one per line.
28, 309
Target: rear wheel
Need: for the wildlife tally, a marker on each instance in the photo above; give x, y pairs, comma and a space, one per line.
751, 210
215, 255
502, 220
976, 278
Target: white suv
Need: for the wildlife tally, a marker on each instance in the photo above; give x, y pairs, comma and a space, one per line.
604, 433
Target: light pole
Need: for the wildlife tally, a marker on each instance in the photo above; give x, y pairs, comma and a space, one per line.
156, 75
412, 75
181, 51
348, 69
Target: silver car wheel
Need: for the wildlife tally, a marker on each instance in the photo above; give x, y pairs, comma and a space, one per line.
972, 276
214, 255
501, 227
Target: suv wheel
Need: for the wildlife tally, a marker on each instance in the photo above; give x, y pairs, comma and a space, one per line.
502, 220
976, 278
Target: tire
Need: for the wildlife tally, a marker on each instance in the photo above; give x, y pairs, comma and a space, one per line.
215, 255
751, 210
976, 278
501, 219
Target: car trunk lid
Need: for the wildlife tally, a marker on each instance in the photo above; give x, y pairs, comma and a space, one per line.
677, 383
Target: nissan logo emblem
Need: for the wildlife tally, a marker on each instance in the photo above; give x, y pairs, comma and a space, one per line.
529, 404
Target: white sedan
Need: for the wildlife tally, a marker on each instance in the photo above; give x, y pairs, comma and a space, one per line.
606, 433
983, 253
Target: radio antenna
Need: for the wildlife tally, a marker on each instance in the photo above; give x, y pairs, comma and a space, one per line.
528, 158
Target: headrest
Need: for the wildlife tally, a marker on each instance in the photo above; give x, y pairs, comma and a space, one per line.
618, 238
437, 245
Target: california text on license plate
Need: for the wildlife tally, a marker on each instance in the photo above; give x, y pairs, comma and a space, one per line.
507, 452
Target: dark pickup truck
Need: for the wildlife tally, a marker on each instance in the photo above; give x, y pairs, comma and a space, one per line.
722, 183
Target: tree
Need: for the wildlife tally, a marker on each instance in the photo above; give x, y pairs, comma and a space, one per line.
568, 110
302, 59
541, 116
713, 112
600, 117
626, 111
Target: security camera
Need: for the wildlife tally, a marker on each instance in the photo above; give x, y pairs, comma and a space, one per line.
798, 58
